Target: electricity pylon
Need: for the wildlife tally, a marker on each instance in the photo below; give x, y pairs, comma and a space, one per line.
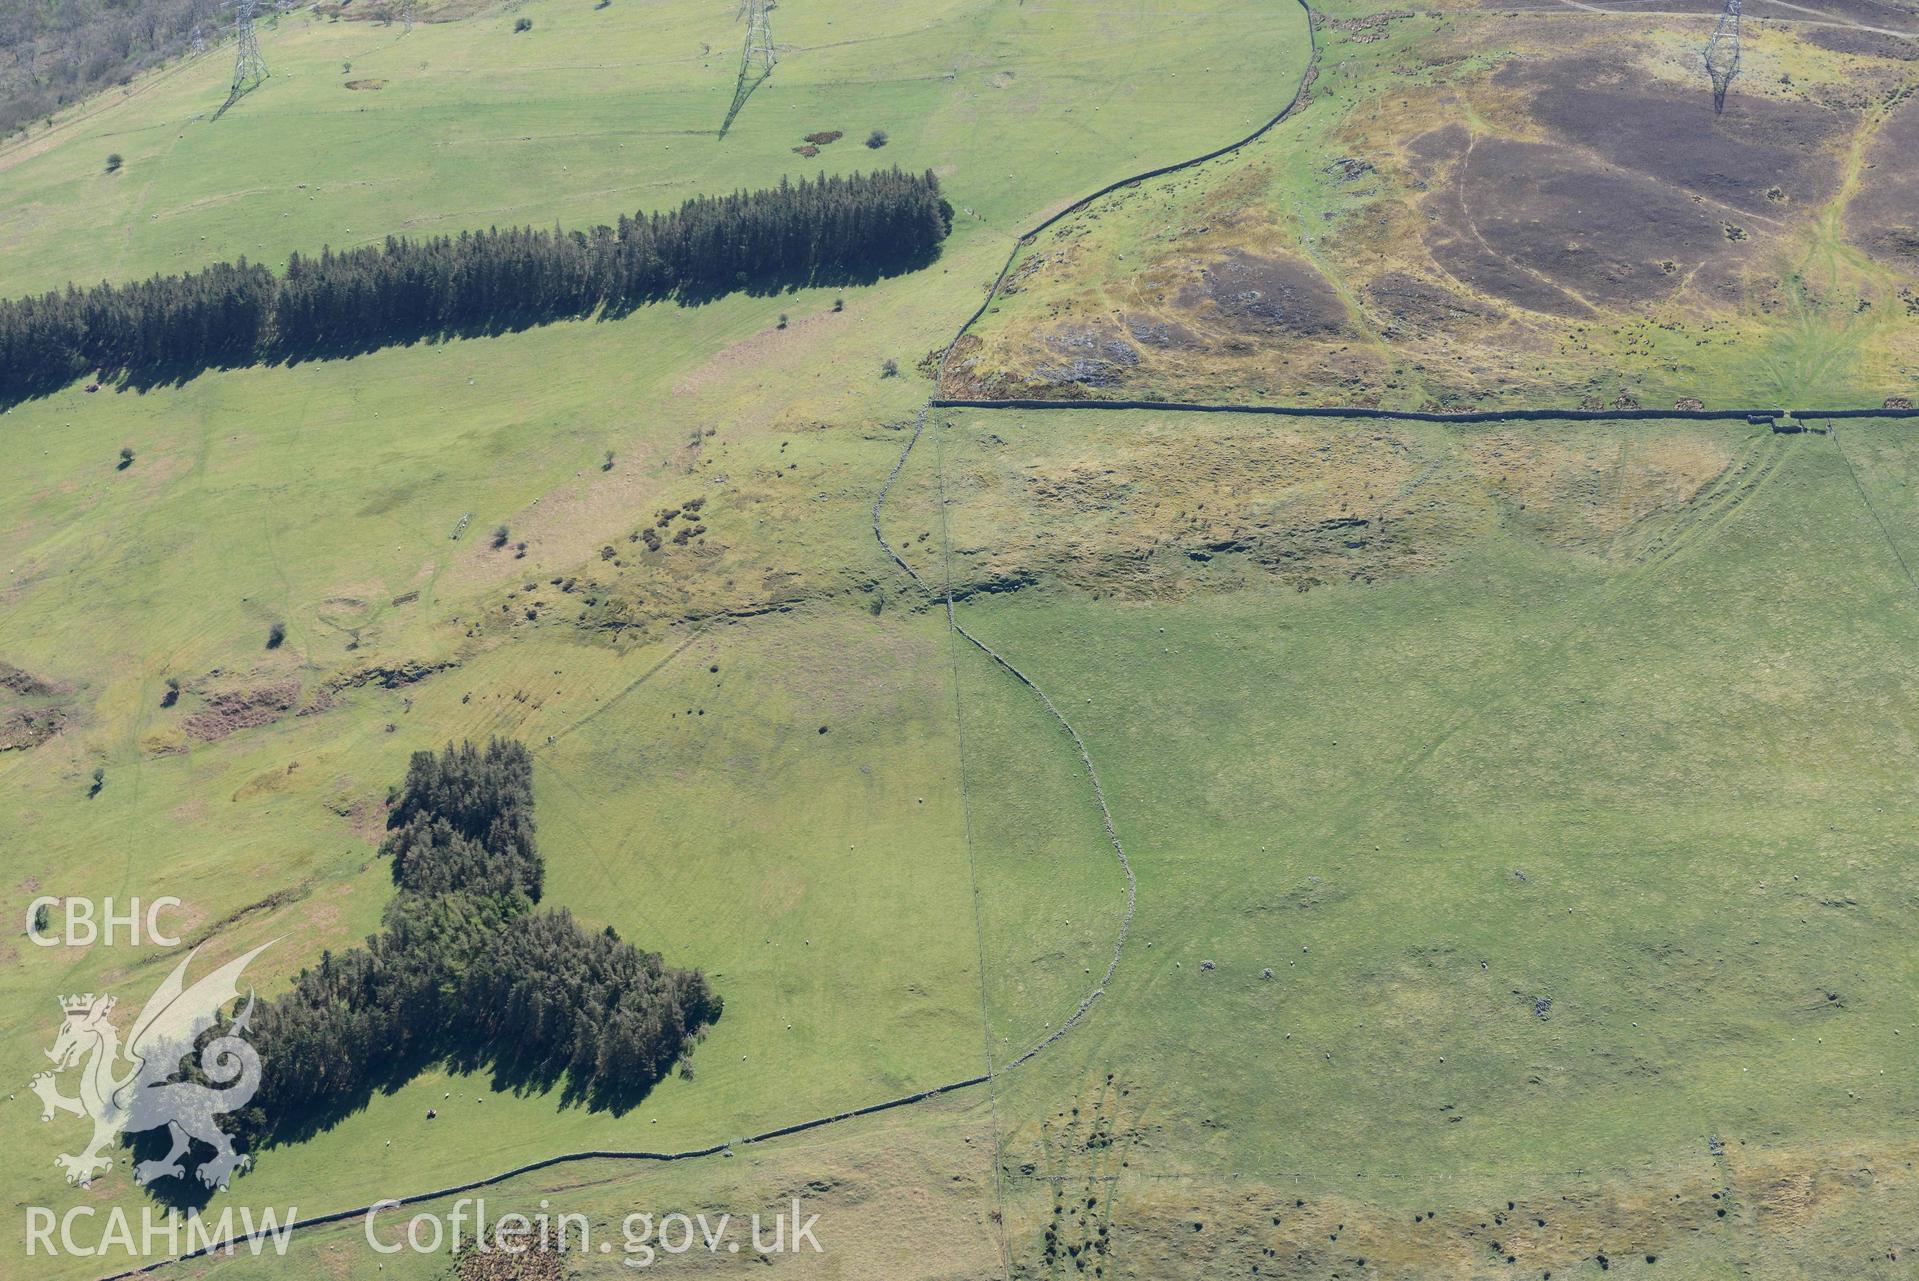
1722, 55
249, 68
756, 59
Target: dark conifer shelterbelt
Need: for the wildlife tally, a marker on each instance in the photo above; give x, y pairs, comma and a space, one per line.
466, 971
829, 231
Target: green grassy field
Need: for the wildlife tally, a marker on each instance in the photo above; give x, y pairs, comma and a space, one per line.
701, 813
598, 112
1563, 765
1556, 774
1549, 897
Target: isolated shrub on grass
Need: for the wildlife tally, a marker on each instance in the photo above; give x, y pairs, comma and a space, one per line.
782, 323
608, 464
276, 635
126, 457
877, 139
889, 368
114, 162
99, 781
500, 535
524, 24
172, 695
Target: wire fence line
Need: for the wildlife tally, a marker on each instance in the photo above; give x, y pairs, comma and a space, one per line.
972, 868
1079, 745
1112, 836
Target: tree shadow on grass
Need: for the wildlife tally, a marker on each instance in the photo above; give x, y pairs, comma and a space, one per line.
259, 1136
349, 344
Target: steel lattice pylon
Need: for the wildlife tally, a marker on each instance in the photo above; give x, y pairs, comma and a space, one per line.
756, 59
1722, 55
249, 68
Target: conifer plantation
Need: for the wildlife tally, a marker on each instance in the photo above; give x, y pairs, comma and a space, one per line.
833, 230
467, 972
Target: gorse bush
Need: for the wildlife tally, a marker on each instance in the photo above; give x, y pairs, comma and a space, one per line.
824, 231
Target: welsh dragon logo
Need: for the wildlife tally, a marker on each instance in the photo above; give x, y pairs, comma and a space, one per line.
129, 1089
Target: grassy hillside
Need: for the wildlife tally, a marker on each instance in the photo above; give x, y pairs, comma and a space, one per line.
1496, 787
821, 878
1494, 210
1557, 760
597, 112
1557, 775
